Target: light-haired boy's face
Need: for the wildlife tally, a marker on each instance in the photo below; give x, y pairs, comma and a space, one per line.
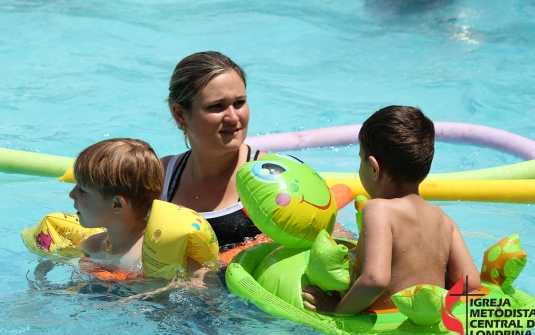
93, 210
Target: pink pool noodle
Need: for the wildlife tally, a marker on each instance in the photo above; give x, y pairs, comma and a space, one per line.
444, 131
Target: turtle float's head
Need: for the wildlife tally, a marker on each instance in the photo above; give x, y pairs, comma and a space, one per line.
286, 199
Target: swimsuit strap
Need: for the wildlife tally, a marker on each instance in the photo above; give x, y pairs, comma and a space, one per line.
168, 175
252, 155
173, 184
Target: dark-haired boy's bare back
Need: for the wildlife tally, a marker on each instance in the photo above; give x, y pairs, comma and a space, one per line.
407, 241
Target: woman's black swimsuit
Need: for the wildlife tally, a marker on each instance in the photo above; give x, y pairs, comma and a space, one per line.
231, 225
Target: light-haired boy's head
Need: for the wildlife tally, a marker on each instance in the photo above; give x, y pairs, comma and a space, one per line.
402, 140
122, 166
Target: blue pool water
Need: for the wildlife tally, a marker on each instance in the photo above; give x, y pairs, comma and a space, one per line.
76, 72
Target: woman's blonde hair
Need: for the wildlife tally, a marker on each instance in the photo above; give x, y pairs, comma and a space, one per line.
122, 166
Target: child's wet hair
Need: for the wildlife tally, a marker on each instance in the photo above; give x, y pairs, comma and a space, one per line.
122, 166
402, 140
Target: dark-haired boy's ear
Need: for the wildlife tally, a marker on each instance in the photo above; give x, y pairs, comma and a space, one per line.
376, 168
119, 204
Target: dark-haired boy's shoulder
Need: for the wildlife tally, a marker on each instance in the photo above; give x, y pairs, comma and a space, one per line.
383, 209
404, 208
380, 203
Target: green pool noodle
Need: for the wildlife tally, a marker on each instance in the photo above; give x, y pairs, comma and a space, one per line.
523, 170
33, 163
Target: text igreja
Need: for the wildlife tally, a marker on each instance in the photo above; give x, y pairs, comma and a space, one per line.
490, 302
499, 308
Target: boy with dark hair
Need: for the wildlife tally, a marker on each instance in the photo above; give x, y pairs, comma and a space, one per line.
404, 240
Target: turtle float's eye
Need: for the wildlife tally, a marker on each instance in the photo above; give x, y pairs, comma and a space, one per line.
267, 172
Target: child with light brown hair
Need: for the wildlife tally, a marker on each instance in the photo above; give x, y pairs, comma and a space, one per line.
404, 240
116, 182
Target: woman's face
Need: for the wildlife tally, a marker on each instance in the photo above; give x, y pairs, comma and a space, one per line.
219, 115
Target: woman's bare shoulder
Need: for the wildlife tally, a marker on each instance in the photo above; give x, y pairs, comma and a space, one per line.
165, 160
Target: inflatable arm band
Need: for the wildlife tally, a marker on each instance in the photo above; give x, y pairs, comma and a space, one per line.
172, 235
58, 234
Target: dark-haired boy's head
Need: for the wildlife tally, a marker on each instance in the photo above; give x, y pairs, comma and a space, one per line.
402, 140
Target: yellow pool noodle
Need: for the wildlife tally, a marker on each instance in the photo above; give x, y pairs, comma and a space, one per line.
68, 176
511, 190
520, 191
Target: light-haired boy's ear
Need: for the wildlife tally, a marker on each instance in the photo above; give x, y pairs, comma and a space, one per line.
376, 168
119, 204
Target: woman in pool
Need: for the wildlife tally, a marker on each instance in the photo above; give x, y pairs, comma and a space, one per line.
208, 101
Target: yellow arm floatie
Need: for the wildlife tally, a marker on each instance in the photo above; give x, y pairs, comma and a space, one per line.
172, 235
57, 234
